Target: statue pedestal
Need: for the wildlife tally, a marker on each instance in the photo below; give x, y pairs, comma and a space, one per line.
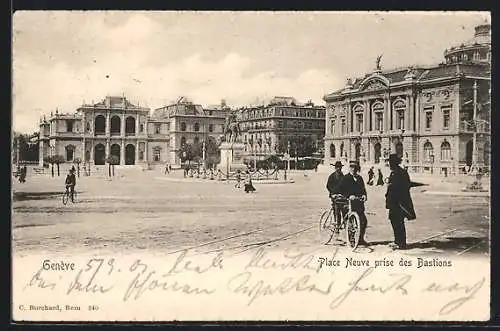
231, 157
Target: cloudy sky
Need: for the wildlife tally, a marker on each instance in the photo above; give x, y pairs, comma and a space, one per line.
61, 59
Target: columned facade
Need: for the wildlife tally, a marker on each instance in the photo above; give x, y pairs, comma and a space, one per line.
436, 118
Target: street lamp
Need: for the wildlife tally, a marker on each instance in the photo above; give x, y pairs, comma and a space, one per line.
432, 162
288, 155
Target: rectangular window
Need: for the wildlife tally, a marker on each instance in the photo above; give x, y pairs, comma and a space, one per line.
157, 128
400, 123
379, 118
342, 126
446, 118
359, 122
210, 128
69, 126
157, 154
428, 120
332, 127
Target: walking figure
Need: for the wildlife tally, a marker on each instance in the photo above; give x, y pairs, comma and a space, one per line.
167, 168
380, 179
238, 179
371, 176
248, 183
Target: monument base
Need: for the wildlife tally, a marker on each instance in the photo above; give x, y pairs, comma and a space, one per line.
231, 157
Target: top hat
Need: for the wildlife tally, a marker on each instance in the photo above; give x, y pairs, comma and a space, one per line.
337, 164
394, 158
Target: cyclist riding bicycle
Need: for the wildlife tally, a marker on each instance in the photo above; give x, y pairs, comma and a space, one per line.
71, 183
353, 187
332, 186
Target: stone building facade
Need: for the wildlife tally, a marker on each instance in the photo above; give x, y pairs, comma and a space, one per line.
427, 115
113, 126
282, 126
117, 127
190, 123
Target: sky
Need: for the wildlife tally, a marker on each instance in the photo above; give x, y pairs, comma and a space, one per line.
62, 59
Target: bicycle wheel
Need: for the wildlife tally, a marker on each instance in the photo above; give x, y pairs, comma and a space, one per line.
353, 230
65, 198
326, 226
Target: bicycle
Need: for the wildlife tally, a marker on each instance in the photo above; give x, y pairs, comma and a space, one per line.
67, 196
350, 221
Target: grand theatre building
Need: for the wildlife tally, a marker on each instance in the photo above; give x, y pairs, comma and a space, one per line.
116, 127
436, 118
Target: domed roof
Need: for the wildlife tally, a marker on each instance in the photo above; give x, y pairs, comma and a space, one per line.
482, 37
479, 44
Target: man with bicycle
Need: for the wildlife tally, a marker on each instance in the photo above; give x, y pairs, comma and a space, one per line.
353, 187
70, 183
332, 186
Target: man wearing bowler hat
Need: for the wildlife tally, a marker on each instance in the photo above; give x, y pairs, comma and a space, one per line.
398, 201
332, 186
352, 186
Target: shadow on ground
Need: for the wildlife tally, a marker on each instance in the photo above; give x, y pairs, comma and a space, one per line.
23, 196
449, 244
475, 244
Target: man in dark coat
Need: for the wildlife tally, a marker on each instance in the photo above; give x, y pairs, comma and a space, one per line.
398, 201
70, 183
352, 185
335, 178
332, 186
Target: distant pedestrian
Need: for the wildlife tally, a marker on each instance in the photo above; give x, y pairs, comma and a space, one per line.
371, 176
22, 174
380, 179
238, 179
398, 201
167, 169
248, 183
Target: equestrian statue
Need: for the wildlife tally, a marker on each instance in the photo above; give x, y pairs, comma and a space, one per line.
232, 131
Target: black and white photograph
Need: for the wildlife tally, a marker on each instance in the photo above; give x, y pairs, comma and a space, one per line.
251, 166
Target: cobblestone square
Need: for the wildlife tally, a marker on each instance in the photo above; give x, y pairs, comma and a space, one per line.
151, 212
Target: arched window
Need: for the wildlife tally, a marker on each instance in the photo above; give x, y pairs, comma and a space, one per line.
130, 126
196, 127
99, 124
332, 150
115, 125
428, 152
378, 152
445, 151
183, 126
399, 149
183, 141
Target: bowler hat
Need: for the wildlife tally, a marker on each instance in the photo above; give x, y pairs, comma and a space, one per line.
354, 164
394, 158
337, 164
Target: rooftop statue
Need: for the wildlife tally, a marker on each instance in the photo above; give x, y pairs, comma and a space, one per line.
377, 63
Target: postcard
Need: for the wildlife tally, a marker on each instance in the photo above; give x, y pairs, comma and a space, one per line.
251, 166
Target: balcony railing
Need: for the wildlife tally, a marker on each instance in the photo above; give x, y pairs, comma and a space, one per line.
479, 126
